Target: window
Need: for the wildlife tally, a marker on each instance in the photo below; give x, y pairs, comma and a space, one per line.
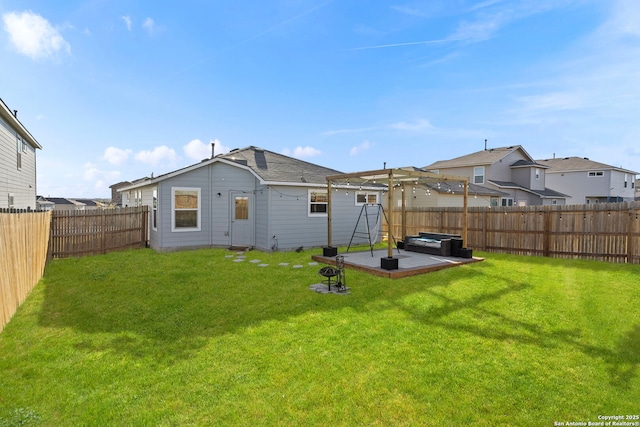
19, 151
10, 200
318, 201
507, 201
478, 175
598, 173
242, 207
493, 201
185, 209
366, 198
154, 209
537, 173
626, 177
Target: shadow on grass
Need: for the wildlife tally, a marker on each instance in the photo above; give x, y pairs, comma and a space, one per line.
165, 307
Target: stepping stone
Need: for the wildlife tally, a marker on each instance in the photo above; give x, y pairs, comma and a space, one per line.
313, 263
238, 260
298, 266
242, 257
228, 256
239, 253
255, 261
263, 265
283, 264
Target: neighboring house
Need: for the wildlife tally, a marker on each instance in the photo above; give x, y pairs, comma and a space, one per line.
509, 171
65, 204
445, 194
116, 196
637, 196
586, 181
17, 162
248, 197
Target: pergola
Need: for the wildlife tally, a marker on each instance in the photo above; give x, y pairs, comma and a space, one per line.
394, 179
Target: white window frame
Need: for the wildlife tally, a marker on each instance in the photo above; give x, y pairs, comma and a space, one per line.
595, 173
10, 200
19, 144
367, 195
154, 209
309, 203
504, 202
537, 173
478, 175
173, 210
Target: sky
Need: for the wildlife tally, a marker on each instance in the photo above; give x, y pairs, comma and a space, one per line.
116, 90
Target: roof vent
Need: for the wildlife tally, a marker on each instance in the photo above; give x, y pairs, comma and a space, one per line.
586, 158
15, 113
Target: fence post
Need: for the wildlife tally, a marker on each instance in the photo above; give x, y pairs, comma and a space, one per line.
546, 225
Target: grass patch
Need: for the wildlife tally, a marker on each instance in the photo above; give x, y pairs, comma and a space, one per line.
193, 338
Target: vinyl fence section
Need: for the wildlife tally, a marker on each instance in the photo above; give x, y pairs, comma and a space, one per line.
23, 254
605, 232
94, 232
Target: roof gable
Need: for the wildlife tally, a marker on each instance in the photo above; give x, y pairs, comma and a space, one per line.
12, 119
479, 158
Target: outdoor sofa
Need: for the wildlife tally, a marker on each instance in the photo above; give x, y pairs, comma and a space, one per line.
434, 243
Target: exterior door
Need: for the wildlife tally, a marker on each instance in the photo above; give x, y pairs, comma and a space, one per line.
242, 223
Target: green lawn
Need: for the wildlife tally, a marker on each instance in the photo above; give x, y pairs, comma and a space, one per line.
194, 338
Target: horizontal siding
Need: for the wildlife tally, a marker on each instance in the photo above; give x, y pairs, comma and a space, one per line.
19, 182
293, 227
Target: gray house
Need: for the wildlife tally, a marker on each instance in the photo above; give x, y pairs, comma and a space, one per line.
510, 171
586, 181
248, 197
17, 162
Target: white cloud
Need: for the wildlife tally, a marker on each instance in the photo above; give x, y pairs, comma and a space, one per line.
33, 36
92, 173
149, 25
302, 152
198, 150
157, 156
366, 145
127, 21
416, 126
116, 156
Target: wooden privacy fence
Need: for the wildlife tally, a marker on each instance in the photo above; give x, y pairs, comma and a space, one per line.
23, 254
605, 232
94, 232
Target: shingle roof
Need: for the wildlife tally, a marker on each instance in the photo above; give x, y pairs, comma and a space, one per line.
578, 164
542, 193
484, 157
269, 166
276, 167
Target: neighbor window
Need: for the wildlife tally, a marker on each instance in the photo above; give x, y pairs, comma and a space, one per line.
318, 201
154, 209
19, 151
597, 173
185, 209
507, 201
366, 198
10, 200
493, 201
478, 175
537, 173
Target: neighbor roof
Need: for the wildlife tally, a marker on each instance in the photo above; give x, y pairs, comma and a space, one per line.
11, 117
546, 193
578, 164
484, 157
